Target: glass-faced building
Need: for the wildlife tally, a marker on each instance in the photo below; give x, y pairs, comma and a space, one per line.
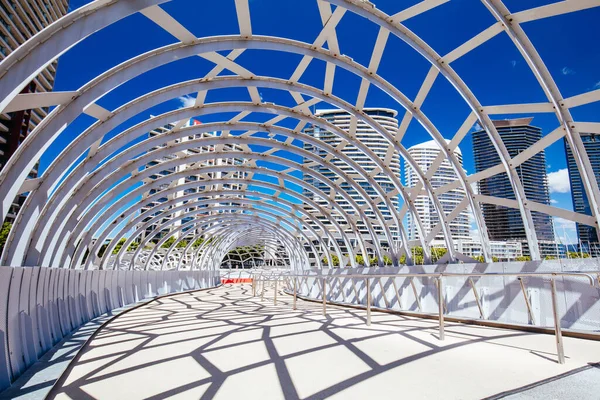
505, 223
586, 235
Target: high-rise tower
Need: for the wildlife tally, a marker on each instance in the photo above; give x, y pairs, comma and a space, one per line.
196, 174
424, 155
587, 235
19, 21
506, 223
341, 119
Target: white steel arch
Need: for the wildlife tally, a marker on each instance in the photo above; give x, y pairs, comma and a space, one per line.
166, 207
265, 208
28, 244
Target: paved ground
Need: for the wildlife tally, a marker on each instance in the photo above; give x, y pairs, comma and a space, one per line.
225, 344
36, 382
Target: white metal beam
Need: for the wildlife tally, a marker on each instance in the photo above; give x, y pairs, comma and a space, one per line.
163, 19
415, 10
551, 10
29, 101
243, 16
96, 111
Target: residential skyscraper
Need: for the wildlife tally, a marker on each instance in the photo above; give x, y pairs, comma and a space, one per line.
196, 174
19, 21
587, 235
506, 223
424, 155
366, 134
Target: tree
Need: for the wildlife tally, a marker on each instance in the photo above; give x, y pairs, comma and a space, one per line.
360, 260
197, 243
481, 259
334, 258
6, 227
550, 258
102, 249
182, 245
120, 244
403, 259
133, 246
576, 254
243, 254
387, 260
417, 255
438, 252
523, 258
168, 243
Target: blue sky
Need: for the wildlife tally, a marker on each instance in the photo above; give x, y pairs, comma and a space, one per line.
496, 72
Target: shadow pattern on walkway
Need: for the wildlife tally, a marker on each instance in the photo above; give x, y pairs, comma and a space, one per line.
223, 343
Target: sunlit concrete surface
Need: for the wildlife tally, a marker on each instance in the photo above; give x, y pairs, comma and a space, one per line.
225, 344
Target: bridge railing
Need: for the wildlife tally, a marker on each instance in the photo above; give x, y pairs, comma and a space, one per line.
453, 294
41, 306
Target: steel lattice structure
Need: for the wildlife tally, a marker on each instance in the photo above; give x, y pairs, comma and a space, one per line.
63, 223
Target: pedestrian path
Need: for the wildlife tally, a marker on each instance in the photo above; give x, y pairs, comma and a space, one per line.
223, 343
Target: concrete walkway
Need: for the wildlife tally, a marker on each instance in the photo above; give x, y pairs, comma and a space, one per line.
225, 344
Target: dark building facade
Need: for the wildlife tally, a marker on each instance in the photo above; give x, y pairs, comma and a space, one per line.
587, 235
506, 223
19, 21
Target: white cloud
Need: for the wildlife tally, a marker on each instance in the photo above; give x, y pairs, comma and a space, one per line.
567, 71
558, 181
187, 101
552, 201
513, 63
597, 85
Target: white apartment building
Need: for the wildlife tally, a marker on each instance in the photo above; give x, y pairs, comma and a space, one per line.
502, 251
196, 173
424, 155
367, 135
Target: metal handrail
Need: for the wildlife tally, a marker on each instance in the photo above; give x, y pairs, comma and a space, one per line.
267, 276
586, 274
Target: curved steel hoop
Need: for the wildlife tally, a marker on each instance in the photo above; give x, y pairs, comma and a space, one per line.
81, 198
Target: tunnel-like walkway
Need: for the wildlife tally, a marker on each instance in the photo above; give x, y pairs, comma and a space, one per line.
224, 343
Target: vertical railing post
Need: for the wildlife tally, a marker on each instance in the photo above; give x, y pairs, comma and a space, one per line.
275, 295
253, 287
262, 291
385, 299
476, 294
441, 307
527, 303
557, 329
344, 297
324, 296
397, 293
368, 302
295, 293
417, 299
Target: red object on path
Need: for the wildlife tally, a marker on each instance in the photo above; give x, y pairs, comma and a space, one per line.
236, 280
